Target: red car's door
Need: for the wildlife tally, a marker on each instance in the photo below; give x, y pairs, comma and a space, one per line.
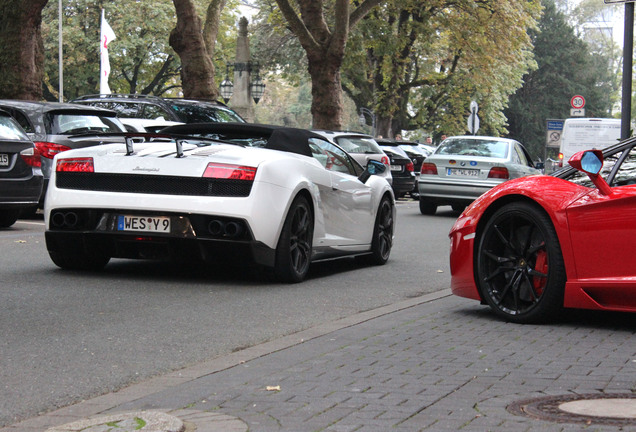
603, 233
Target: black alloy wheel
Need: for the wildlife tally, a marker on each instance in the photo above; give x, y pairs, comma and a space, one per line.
382, 233
519, 264
293, 253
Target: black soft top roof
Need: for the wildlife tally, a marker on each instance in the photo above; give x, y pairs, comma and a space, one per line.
278, 137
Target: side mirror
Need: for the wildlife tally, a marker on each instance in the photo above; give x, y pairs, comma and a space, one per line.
590, 162
374, 167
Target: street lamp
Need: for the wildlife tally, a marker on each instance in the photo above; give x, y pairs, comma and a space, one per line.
257, 87
363, 120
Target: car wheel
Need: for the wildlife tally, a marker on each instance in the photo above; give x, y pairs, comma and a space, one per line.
427, 206
382, 233
520, 268
293, 253
72, 261
8, 218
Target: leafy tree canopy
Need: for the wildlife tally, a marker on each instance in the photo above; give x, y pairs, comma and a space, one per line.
141, 59
566, 67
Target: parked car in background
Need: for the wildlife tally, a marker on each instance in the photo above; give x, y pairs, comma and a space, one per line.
144, 125
56, 127
20, 173
402, 168
291, 200
532, 246
361, 147
464, 167
416, 153
136, 106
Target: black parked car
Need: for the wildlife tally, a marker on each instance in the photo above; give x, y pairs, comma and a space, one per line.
56, 127
135, 106
402, 168
20, 173
416, 153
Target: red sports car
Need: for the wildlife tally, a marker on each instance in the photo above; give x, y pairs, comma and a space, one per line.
534, 245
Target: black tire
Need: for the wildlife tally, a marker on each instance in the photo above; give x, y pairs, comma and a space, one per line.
88, 261
427, 206
382, 233
8, 217
293, 252
519, 265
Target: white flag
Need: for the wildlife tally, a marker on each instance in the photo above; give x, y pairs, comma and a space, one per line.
107, 35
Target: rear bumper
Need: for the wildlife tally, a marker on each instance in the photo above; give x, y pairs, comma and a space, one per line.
162, 248
453, 191
17, 193
403, 185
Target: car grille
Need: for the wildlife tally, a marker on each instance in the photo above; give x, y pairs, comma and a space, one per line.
151, 184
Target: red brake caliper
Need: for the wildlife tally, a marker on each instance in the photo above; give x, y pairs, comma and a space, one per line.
541, 266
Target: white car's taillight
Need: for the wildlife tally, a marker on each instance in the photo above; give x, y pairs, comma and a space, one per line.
84, 164
229, 171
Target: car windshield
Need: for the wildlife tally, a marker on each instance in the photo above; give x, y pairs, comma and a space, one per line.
204, 113
359, 145
70, 124
474, 147
9, 130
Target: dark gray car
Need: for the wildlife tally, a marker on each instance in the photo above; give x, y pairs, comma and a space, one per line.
20, 173
56, 127
136, 106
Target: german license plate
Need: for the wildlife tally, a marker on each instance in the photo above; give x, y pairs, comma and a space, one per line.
4, 159
396, 167
463, 172
160, 224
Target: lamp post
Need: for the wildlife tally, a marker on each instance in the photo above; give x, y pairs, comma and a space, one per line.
256, 87
363, 120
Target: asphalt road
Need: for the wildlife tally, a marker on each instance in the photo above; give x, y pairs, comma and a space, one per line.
67, 336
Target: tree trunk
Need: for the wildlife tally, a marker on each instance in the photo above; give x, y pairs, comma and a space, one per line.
326, 91
21, 49
197, 69
211, 29
325, 48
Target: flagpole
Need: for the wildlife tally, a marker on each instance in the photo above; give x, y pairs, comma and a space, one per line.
60, 54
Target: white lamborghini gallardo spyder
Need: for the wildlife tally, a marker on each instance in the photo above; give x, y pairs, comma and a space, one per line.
273, 196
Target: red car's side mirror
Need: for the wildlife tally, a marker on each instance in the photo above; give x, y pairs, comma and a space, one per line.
590, 162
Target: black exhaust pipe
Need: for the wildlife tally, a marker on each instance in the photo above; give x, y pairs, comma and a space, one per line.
216, 227
233, 229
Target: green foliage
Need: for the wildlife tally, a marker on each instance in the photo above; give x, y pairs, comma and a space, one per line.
566, 67
141, 59
419, 64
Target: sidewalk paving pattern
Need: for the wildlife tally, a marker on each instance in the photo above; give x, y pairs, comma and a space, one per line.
434, 363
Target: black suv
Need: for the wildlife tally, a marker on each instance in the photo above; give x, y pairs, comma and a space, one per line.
136, 106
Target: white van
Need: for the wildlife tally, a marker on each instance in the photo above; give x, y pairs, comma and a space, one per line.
587, 133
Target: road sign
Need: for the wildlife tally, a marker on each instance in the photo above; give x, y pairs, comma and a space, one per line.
577, 112
577, 101
555, 128
473, 118
473, 123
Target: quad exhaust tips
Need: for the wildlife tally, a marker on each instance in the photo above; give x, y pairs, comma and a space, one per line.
219, 228
64, 219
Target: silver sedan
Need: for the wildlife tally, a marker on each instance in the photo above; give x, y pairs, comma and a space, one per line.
464, 167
